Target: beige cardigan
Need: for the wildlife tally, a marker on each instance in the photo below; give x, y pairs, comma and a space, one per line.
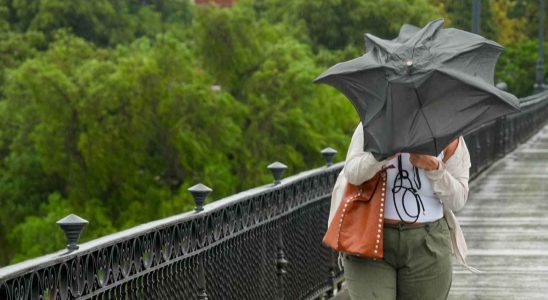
449, 183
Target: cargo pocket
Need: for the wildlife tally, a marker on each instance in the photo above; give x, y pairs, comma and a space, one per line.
437, 240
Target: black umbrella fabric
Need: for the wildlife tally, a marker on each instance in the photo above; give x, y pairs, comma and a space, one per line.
418, 92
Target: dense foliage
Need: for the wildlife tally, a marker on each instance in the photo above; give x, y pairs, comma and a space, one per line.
112, 109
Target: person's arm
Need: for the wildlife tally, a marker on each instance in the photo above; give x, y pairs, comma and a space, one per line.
450, 180
360, 166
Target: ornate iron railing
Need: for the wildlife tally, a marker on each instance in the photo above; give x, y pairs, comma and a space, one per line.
263, 243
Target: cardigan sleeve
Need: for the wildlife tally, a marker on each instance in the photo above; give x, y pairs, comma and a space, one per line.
360, 166
450, 181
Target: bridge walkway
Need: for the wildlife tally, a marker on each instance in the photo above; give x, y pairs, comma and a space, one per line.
505, 223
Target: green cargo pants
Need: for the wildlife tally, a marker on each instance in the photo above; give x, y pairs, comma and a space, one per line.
416, 266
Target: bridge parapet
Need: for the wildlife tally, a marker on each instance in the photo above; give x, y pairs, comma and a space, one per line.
264, 243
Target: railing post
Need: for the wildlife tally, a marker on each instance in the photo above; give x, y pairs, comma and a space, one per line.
507, 133
501, 131
281, 265
333, 264
4, 291
539, 68
202, 292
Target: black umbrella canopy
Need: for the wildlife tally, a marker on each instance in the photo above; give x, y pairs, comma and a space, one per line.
419, 91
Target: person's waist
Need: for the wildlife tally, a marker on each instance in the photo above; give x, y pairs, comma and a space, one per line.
401, 225
429, 210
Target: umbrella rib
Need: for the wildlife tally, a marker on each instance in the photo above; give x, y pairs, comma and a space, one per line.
425, 119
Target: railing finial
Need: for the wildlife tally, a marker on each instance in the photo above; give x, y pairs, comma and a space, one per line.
328, 153
200, 193
73, 226
277, 169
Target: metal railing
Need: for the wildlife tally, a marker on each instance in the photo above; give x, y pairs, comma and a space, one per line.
263, 243
495, 139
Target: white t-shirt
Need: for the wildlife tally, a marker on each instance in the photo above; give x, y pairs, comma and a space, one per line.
404, 200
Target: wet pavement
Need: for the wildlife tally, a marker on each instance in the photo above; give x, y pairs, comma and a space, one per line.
505, 223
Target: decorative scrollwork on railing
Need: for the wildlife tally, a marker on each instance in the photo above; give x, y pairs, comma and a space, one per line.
236, 241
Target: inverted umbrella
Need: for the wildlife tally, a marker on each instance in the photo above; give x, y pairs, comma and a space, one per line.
418, 92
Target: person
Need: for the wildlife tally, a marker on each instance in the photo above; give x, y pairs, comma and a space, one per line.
420, 229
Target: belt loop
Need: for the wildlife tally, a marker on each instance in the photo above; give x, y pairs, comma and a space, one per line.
340, 258
401, 226
427, 227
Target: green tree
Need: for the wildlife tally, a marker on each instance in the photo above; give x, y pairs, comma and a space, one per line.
460, 16
230, 44
511, 28
128, 129
516, 66
336, 24
15, 48
271, 73
529, 11
104, 22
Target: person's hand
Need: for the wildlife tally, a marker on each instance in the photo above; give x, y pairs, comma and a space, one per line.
425, 162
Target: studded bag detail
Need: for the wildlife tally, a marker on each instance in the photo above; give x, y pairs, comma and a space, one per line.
357, 227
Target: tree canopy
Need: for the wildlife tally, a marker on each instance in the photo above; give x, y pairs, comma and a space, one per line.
112, 109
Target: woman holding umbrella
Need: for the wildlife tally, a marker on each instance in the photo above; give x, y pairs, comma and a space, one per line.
417, 239
417, 94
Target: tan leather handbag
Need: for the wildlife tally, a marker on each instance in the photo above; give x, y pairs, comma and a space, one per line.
357, 227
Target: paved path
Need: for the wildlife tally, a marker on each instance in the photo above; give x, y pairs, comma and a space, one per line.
505, 223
